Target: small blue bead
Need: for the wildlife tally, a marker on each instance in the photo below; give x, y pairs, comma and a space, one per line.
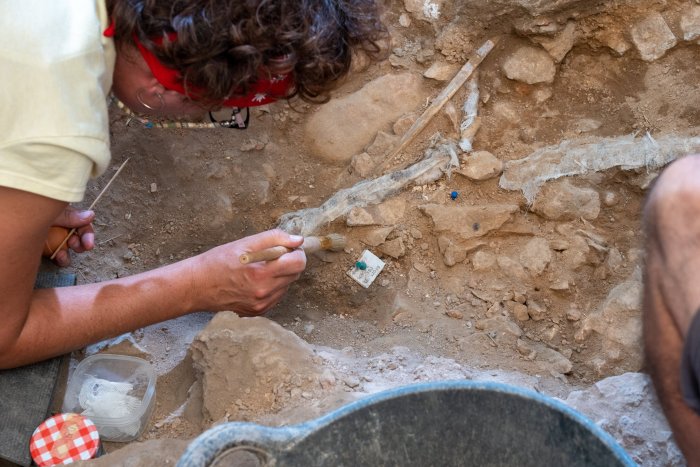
454, 195
361, 265
149, 125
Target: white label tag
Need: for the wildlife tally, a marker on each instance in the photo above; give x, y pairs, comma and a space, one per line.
366, 276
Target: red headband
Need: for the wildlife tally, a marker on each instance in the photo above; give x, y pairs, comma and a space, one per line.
263, 91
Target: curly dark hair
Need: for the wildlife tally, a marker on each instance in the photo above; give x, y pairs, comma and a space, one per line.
222, 46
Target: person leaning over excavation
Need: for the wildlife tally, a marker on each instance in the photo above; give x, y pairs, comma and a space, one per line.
59, 60
672, 299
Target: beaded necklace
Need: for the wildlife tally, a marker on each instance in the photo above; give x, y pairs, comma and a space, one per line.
236, 121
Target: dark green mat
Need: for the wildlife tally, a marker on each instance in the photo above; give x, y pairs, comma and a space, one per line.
25, 393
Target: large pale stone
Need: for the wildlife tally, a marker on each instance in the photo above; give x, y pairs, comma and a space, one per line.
530, 65
652, 37
481, 165
536, 255
560, 200
618, 321
344, 126
690, 23
627, 408
469, 221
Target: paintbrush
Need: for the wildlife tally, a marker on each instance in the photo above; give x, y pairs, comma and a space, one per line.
330, 242
74, 230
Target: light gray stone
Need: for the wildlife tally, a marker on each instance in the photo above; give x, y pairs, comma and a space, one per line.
530, 65
536, 255
690, 23
342, 127
468, 221
481, 165
394, 248
483, 261
561, 200
452, 253
376, 237
441, 71
559, 45
618, 322
627, 408
652, 37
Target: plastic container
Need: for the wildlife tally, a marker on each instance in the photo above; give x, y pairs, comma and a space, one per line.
116, 392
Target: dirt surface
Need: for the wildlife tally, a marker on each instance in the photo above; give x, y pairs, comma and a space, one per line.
537, 293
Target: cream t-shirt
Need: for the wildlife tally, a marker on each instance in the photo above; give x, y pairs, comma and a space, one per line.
55, 73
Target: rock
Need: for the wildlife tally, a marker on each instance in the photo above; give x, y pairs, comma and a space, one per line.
403, 123
560, 200
652, 37
468, 221
455, 314
513, 269
536, 255
451, 252
341, 128
440, 71
362, 164
559, 285
382, 144
573, 313
614, 39
481, 165
518, 309
559, 45
483, 261
404, 20
394, 248
614, 261
244, 358
586, 125
404, 311
502, 327
618, 322
387, 213
547, 359
610, 198
690, 23
359, 216
576, 255
536, 311
376, 237
627, 408
530, 65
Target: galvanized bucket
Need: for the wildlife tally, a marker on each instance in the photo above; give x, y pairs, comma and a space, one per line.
460, 423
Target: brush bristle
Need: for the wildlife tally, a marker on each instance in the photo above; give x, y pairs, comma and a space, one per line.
333, 242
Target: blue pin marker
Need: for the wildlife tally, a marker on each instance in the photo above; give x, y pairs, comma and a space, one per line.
361, 265
454, 195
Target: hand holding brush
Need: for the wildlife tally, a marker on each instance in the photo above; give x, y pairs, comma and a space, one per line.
331, 242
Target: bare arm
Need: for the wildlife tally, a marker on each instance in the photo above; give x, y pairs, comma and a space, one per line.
42, 323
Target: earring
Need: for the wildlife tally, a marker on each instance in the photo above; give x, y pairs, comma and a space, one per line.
139, 97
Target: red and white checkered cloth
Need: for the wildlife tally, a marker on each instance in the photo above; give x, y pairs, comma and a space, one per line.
63, 439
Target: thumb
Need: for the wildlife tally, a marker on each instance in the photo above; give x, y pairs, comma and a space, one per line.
74, 218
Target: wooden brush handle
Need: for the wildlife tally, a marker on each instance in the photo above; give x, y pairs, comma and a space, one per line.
310, 245
267, 254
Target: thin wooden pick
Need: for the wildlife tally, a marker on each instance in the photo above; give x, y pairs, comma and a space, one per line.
73, 230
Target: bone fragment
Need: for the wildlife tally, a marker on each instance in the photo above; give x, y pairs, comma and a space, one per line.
460, 78
585, 155
439, 159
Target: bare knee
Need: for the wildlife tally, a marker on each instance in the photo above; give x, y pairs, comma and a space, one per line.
674, 199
